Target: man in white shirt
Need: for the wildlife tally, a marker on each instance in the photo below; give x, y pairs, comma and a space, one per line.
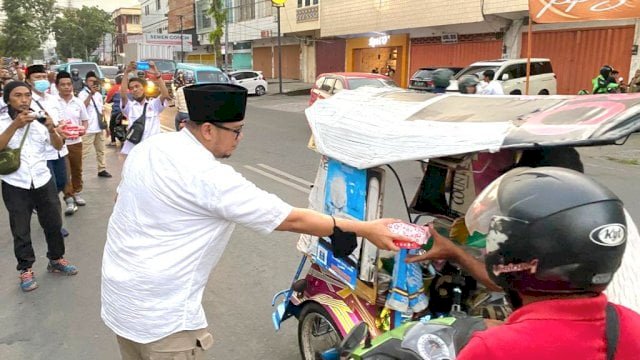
91, 95
493, 87
164, 238
73, 110
133, 109
36, 76
31, 186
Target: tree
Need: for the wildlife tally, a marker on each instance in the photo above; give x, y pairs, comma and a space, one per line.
26, 27
79, 32
219, 14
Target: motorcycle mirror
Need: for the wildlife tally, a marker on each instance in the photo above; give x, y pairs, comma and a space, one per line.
354, 338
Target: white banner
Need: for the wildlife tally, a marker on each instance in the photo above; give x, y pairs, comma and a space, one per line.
171, 40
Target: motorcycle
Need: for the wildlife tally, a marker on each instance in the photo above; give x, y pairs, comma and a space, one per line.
466, 141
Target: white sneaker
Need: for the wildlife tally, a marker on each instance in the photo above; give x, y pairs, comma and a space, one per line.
80, 201
71, 206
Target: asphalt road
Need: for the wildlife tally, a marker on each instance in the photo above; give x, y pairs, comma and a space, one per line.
61, 319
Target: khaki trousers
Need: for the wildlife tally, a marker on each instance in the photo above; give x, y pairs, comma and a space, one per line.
97, 142
74, 159
183, 345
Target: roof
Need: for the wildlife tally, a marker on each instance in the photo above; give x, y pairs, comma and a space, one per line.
196, 66
356, 75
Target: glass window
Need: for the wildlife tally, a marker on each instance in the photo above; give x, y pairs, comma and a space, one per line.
245, 10
423, 74
300, 3
146, 9
158, 5
83, 69
307, 2
211, 76
315, 2
327, 85
373, 82
542, 67
339, 86
476, 70
319, 82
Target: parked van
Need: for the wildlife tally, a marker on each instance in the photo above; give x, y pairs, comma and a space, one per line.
512, 73
83, 68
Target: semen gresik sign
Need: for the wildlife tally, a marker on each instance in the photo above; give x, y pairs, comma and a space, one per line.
557, 11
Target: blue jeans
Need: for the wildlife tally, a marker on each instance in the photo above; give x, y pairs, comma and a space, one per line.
59, 171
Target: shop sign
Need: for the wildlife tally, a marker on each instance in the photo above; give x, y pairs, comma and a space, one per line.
554, 11
379, 40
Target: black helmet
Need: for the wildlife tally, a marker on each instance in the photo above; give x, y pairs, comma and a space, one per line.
605, 71
550, 230
466, 81
75, 72
442, 77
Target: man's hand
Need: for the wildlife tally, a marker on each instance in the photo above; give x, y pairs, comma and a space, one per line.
442, 249
130, 67
23, 119
379, 234
153, 71
49, 123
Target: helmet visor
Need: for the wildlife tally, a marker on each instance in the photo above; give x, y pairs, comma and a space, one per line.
486, 205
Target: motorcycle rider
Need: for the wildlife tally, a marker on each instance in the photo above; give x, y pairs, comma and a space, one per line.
468, 84
555, 238
604, 83
441, 80
76, 80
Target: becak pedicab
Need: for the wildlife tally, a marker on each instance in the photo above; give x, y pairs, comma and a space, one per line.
467, 141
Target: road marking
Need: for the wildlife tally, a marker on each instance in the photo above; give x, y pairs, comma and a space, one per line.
287, 175
279, 179
167, 129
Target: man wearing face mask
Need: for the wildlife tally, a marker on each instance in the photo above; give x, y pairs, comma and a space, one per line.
133, 109
77, 82
31, 186
41, 100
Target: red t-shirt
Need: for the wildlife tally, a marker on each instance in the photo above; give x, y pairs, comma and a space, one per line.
557, 329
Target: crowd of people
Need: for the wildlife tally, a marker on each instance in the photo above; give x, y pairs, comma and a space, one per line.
164, 238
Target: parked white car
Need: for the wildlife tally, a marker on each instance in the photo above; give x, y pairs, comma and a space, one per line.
252, 80
512, 73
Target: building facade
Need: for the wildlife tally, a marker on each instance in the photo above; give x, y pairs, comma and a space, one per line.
182, 20
128, 29
154, 16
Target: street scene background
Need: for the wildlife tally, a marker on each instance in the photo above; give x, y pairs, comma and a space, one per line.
62, 318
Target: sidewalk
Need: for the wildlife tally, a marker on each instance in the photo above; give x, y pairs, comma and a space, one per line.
289, 87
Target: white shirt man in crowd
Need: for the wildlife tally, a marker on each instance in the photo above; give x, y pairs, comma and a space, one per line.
37, 78
91, 95
31, 186
133, 109
156, 263
493, 86
73, 110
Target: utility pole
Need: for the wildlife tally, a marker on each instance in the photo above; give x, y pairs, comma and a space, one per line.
181, 40
226, 38
279, 4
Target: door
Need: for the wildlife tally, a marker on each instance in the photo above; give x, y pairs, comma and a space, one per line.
513, 79
251, 81
452, 55
262, 61
290, 62
578, 54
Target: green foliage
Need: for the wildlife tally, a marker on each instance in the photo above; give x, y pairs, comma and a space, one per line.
26, 27
218, 12
79, 32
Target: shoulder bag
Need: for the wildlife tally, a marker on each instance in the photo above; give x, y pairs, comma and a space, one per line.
135, 132
10, 158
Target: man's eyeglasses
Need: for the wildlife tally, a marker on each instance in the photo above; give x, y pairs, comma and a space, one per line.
236, 131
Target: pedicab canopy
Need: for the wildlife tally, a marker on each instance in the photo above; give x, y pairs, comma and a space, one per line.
370, 127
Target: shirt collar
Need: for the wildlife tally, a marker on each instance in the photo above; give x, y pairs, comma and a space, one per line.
591, 308
196, 142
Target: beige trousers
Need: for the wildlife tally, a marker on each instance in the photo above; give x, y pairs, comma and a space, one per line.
183, 345
95, 141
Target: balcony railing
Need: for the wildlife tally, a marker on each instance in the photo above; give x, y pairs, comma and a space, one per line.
305, 14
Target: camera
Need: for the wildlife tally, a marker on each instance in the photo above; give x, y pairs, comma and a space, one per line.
41, 116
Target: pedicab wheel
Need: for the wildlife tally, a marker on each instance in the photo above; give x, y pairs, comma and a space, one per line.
316, 332
260, 90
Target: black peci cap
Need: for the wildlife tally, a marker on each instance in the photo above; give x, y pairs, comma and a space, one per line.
34, 69
216, 102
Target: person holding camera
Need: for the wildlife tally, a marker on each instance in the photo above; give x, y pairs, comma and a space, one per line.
41, 100
91, 95
139, 109
31, 186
